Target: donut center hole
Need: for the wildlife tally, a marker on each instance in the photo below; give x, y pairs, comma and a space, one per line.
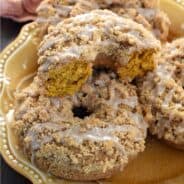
81, 112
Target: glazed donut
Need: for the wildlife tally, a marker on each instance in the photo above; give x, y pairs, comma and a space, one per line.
173, 55
53, 11
144, 12
100, 38
91, 144
163, 101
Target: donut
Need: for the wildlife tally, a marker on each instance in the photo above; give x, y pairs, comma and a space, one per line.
144, 12
51, 12
70, 51
87, 136
162, 97
173, 54
54, 11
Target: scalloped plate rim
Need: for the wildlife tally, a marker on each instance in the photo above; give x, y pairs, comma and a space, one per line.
3, 127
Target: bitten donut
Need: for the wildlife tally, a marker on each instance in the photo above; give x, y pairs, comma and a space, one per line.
70, 51
87, 136
163, 100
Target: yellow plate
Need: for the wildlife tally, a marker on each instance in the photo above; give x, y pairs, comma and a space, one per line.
158, 164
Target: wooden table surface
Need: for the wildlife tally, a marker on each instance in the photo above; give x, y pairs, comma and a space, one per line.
8, 31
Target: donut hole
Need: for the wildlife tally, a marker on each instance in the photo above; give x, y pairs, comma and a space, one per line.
69, 78
137, 64
81, 112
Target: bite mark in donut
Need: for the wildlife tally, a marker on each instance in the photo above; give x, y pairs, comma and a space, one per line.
129, 46
138, 65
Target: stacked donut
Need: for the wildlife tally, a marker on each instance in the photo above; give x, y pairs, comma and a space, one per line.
80, 118
145, 12
102, 80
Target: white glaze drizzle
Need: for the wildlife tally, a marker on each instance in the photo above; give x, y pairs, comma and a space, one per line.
168, 98
115, 98
63, 10
163, 73
95, 134
131, 101
140, 122
101, 42
33, 133
165, 76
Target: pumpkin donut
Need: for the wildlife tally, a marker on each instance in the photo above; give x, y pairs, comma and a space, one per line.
142, 11
70, 51
173, 54
162, 95
87, 136
50, 12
